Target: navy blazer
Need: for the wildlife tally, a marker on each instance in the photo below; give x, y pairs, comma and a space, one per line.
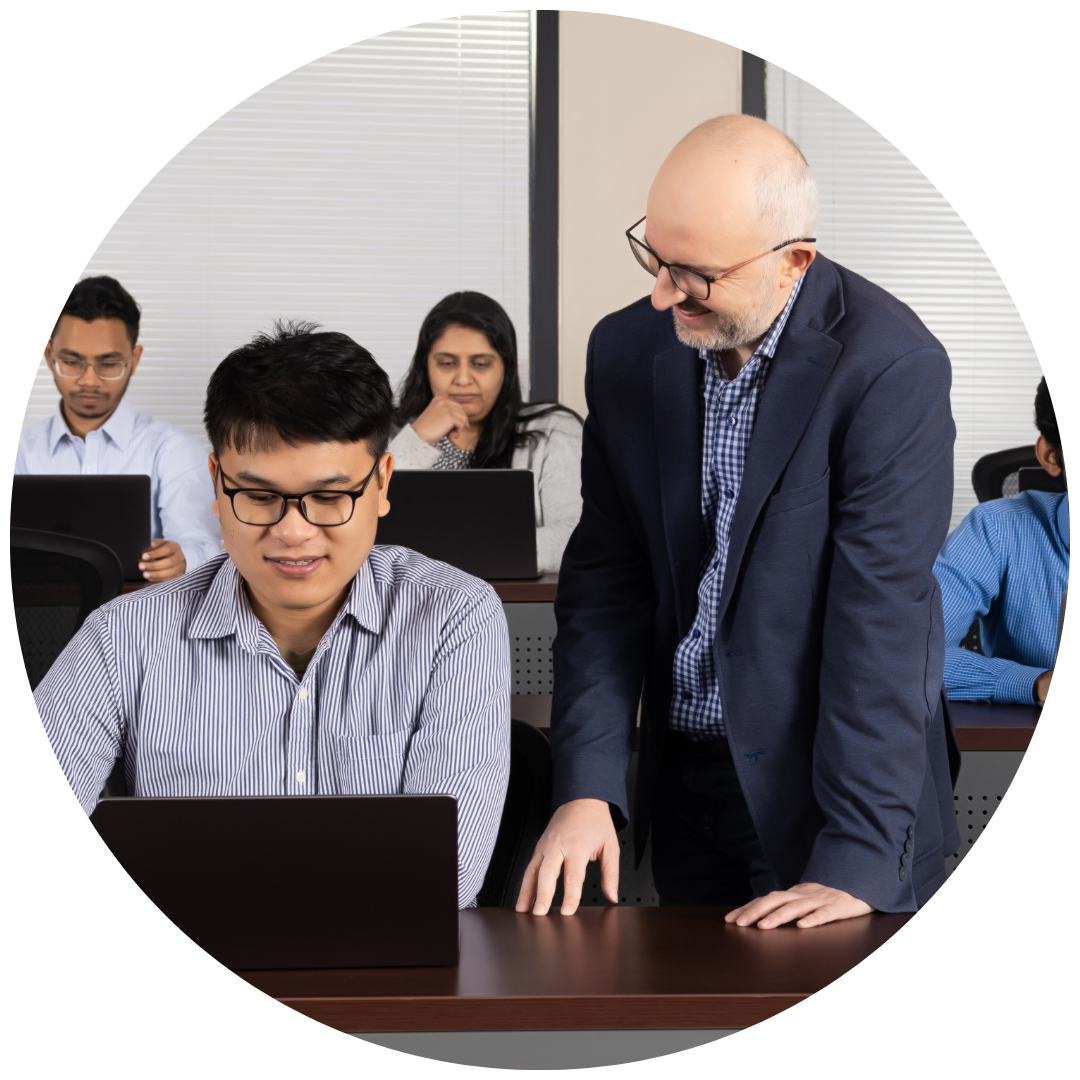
830, 644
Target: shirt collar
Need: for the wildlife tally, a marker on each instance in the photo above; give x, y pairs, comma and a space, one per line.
225, 610
118, 427
767, 348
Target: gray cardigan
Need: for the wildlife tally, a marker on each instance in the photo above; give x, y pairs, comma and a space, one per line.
556, 464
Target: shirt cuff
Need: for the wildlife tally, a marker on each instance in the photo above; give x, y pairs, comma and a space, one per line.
1017, 684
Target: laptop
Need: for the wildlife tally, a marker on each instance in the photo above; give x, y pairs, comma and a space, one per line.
482, 521
113, 510
298, 881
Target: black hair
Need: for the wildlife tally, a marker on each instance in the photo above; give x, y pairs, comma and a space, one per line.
102, 297
1046, 421
502, 430
299, 385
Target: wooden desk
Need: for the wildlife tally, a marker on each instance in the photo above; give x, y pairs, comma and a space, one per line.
541, 590
982, 726
979, 725
611, 967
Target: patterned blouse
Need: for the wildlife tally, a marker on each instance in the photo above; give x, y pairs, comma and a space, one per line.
450, 457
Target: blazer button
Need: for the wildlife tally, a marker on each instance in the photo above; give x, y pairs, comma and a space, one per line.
908, 845
905, 859
903, 874
910, 831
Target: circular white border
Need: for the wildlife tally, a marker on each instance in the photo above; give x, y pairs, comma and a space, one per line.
98, 97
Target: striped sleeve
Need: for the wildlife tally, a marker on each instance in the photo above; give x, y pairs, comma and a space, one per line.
461, 745
970, 570
81, 708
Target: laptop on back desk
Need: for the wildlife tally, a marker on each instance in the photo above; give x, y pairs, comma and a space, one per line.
482, 521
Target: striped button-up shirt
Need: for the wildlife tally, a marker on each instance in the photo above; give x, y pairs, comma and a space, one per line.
1006, 564
407, 692
731, 407
130, 443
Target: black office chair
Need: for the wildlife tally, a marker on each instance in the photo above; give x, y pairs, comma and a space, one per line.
524, 818
56, 581
1008, 472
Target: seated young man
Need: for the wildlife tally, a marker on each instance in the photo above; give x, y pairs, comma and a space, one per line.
92, 354
1007, 564
303, 660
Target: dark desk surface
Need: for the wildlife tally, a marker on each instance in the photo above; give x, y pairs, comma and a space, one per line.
982, 726
979, 725
539, 591
610, 967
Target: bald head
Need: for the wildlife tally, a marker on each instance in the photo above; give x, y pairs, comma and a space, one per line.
726, 204
746, 171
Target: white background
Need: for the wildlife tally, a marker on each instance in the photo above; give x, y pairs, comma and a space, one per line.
98, 97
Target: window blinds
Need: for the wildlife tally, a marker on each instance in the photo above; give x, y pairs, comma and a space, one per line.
356, 191
880, 217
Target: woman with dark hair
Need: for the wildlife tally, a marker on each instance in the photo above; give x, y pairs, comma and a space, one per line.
461, 408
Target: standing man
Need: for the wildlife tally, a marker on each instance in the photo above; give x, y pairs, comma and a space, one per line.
92, 354
767, 477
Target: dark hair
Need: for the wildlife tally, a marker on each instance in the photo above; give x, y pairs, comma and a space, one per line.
502, 426
1046, 421
102, 298
300, 386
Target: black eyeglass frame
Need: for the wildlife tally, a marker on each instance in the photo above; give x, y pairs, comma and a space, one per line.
298, 499
635, 244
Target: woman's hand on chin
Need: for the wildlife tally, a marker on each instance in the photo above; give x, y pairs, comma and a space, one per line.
441, 417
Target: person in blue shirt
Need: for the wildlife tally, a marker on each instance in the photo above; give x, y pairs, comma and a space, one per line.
92, 354
1007, 564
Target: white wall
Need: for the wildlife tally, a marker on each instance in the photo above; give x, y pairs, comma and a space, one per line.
629, 90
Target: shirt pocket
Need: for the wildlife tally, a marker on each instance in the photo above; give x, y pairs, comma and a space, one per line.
372, 764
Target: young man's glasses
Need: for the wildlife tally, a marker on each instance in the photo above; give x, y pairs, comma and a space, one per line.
324, 508
108, 370
693, 282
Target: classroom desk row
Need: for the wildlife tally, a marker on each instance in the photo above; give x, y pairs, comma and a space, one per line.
979, 725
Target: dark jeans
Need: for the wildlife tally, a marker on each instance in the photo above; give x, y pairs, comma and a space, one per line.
705, 849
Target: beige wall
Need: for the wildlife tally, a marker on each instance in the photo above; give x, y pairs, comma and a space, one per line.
628, 91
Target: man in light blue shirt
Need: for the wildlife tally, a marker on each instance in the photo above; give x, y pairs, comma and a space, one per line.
92, 355
1007, 565
304, 661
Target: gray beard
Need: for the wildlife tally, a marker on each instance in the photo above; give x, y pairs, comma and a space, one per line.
733, 330
730, 331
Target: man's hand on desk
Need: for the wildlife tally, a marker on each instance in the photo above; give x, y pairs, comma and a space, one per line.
579, 832
163, 561
811, 904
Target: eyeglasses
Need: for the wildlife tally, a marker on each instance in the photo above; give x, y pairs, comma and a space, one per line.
325, 508
693, 282
109, 370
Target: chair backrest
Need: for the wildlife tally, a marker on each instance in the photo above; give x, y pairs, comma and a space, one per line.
56, 581
524, 818
1005, 473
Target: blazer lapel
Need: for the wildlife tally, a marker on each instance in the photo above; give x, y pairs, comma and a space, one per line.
801, 366
677, 405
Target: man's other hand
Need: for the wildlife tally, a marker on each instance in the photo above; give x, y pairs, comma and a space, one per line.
1042, 685
579, 832
810, 904
163, 561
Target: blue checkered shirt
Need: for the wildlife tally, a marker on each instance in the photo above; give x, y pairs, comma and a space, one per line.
731, 407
